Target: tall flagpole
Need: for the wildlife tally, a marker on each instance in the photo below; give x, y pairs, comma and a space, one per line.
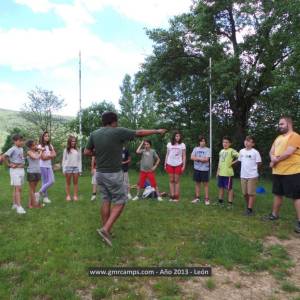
80, 112
210, 116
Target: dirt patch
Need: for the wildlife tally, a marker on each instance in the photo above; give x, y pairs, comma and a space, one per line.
237, 285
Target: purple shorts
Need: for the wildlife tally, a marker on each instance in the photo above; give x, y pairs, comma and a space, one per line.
225, 182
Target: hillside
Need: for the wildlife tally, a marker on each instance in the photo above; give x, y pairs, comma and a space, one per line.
10, 119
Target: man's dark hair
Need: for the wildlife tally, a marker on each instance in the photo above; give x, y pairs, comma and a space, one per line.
17, 137
109, 117
227, 138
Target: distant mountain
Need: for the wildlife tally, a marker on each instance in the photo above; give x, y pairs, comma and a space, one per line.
10, 119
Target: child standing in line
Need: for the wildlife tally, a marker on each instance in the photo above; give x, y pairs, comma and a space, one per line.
47, 174
33, 171
71, 165
250, 160
175, 164
126, 159
200, 156
225, 173
15, 156
149, 162
94, 181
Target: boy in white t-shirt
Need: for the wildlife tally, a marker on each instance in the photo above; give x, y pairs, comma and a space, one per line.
250, 160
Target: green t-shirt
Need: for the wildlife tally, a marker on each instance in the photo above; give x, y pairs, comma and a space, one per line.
108, 145
226, 157
148, 159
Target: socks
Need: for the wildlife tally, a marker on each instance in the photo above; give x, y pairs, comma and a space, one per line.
221, 201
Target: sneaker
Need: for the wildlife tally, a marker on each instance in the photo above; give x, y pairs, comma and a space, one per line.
270, 217
249, 213
105, 236
93, 198
46, 200
297, 228
135, 198
159, 198
206, 201
14, 206
171, 200
20, 210
37, 198
129, 196
196, 200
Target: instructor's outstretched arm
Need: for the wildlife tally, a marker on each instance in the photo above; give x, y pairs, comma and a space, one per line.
146, 132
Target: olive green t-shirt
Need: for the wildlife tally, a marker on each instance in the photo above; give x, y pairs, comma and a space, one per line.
149, 157
108, 144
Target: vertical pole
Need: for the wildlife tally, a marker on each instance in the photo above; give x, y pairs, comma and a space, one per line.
210, 116
80, 112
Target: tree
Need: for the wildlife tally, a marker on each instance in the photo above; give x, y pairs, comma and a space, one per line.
254, 46
41, 108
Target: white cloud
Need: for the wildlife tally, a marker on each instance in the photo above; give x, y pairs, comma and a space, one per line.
53, 53
38, 6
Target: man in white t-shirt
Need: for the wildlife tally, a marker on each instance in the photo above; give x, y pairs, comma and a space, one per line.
250, 160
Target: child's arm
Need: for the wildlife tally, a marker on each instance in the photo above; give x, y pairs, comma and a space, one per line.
33, 154
139, 149
157, 162
127, 161
183, 159
166, 158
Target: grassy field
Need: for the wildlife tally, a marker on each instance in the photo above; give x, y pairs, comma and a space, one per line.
46, 253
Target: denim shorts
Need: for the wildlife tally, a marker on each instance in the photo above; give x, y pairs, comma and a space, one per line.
71, 170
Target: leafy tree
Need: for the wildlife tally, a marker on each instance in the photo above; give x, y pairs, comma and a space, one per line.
255, 52
40, 110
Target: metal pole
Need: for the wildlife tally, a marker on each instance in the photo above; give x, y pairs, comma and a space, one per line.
210, 116
80, 112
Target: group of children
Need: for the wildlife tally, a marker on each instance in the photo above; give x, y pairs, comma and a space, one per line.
40, 158
175, 162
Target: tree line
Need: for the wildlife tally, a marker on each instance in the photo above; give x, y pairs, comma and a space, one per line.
255, 78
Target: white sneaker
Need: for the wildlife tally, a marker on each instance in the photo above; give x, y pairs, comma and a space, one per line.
159, 198
135, 198
14, 206
20, 210
207, 202
129, 196
196, 200
93, 198
46, 200
37, 198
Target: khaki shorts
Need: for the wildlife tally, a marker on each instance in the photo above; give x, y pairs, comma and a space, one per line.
112, 187
249, 186
94, 180
16, 176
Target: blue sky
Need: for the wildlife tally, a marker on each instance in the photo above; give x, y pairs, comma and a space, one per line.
40, 41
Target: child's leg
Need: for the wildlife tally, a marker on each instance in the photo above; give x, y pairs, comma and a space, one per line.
177, 186
14, 196
18, 190
221, 194
142, 179
205, 183
94, 189
172, 184
47, 180
32, 186
75, 184
68, 185
197, 189
251, 201
151, 177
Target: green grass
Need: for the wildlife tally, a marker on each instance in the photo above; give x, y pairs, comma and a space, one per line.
46, 253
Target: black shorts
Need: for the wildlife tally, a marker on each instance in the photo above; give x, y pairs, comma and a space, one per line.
287, 185
201, 176
33, 177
